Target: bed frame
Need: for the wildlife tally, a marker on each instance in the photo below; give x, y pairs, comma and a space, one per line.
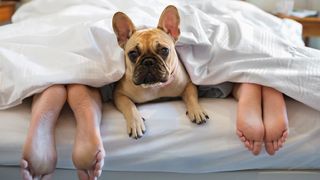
13, 173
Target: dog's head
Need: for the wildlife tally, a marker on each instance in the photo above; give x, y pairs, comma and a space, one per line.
150, 53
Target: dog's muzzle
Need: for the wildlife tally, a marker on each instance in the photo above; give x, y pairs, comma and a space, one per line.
150, 71
150, 77
148, 62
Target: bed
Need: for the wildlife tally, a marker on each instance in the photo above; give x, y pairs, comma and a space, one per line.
173, 147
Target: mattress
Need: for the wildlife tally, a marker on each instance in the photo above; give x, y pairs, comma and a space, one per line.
172, 143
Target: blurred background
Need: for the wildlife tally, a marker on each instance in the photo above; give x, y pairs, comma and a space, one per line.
272, 7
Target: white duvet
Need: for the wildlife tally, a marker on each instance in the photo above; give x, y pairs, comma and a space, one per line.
59, 41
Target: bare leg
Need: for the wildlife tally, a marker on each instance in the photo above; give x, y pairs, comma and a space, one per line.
249, 116
88, 152
39, 152
275, 119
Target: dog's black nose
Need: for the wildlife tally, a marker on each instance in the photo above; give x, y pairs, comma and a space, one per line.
148, 61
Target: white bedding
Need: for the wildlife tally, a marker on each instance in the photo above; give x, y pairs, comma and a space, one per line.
172, 143
72, 41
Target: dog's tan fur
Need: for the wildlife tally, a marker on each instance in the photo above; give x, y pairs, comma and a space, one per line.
127, 93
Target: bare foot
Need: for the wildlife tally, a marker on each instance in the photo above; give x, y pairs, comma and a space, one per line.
39, 156
88, 151
27, 175
250, 128
275, 119
88, 156
39, 153
95, 168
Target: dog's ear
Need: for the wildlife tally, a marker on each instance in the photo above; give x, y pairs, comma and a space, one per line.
169, 21
123, 27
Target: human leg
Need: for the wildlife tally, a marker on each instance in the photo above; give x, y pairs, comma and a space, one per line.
88, 152
249, 116
39, 152
275, 119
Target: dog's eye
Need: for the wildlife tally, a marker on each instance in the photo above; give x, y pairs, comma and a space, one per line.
164, 52
133, 55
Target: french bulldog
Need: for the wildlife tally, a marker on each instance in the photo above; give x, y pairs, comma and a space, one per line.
153, 69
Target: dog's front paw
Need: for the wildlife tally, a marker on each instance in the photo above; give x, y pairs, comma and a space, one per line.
136, 127
197, 115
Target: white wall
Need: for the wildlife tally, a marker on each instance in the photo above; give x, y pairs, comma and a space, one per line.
313, 4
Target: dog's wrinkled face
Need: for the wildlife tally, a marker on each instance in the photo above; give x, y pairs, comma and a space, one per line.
150, 53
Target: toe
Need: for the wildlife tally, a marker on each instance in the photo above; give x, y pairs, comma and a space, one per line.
25, 173
47, 177
257, 145
134, 133
98, 166
97, 173
247, 144
284, 137
275, 145
90, 173
83, 175
269, 148
206, 116
243, 139
190, 116
241, 136
143, 128
198, 118
285, 134
24, 164
202, 118
129, 131
100, 155
140, 132
279, 143
251, 144
239, 133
